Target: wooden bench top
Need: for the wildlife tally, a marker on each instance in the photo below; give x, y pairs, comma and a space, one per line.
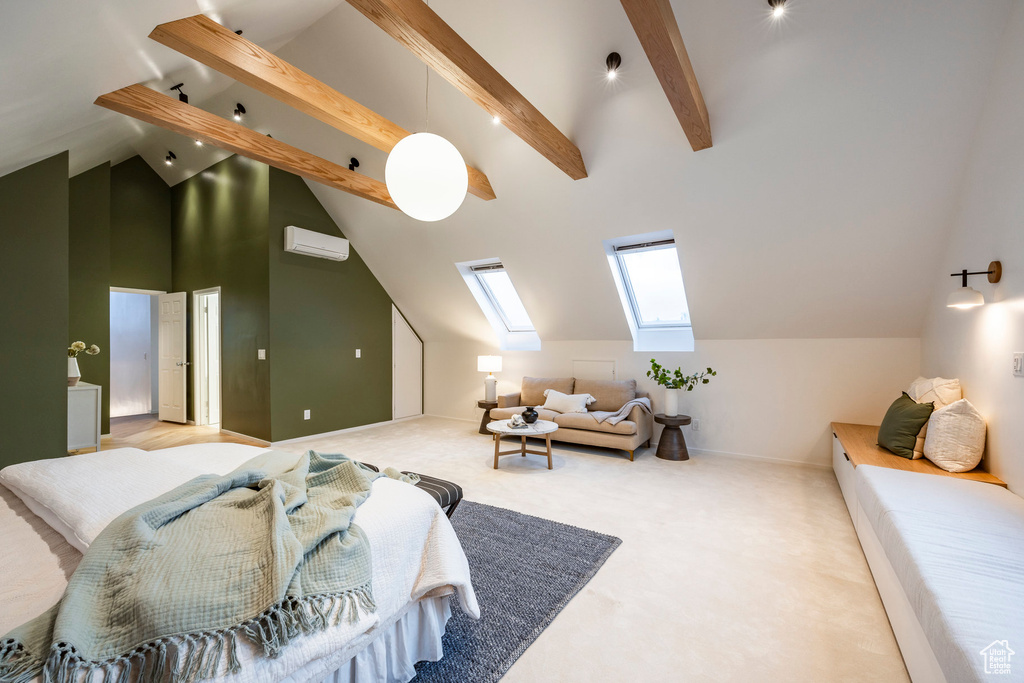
860, 443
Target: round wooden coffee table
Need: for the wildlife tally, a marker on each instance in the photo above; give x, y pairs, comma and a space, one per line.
672, 445
500, 428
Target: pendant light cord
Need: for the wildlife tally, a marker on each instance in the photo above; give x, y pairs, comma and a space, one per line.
426, 95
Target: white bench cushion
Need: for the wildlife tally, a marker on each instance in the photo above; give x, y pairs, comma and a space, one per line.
957, 547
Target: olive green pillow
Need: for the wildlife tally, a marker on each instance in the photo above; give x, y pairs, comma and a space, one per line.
901, 425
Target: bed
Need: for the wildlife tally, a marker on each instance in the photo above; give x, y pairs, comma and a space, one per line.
417, 559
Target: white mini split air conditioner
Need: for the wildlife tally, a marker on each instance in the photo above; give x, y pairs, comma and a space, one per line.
309, 243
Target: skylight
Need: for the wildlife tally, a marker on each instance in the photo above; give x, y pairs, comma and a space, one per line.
492, 287
650, 284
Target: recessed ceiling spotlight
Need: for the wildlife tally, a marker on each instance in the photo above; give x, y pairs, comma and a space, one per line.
496, 120
182, 97
613, 62
199, 143
239, 111
778, 8
169, 159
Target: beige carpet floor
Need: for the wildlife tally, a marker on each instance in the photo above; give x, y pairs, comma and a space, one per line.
730, 569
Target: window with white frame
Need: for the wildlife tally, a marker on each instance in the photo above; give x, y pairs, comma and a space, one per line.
491, 286
502, 294
650, 284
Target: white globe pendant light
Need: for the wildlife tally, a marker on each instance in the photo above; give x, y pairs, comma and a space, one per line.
426, 177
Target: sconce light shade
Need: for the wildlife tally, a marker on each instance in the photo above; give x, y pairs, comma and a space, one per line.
488, 363
965, 297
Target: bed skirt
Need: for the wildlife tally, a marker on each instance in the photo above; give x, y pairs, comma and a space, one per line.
389, 653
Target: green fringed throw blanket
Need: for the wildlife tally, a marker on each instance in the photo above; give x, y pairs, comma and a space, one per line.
266, 553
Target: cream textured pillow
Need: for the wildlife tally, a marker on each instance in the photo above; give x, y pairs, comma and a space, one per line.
566, 403
956, 437
938, 391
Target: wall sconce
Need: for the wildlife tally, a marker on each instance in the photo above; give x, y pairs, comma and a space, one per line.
612, 64
182, 97
491, 365
169, 159
239, 111
968, 297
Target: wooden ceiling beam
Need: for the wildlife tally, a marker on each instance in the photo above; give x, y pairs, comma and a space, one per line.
148, 105
206, 41
656, 26
419, 29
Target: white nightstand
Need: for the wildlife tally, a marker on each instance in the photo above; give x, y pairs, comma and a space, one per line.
84, 405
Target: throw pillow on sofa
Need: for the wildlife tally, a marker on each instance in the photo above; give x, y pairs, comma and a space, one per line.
956, 437
533, 388
901, 425
608, 394
938, 391
566, 403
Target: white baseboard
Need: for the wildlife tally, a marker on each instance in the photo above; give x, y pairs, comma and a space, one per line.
244, 436
347, 430
746, 456
449, 417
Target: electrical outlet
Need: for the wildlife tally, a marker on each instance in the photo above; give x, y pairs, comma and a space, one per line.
305, 414
1018, 364
261, 354
695, 424
359, 353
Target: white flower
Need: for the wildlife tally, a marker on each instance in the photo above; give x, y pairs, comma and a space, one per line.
92, 350
78, 346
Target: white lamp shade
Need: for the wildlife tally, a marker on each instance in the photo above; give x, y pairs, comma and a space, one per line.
426, 177
965, 297
488, 363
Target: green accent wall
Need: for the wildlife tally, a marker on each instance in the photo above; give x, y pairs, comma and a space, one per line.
140, 227
219, 223
34, 311
89, 275
320, 313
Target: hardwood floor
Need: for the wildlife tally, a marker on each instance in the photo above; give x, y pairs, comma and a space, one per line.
148, 433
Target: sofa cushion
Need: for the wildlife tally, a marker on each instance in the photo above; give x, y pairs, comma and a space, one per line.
901, 425
506, 413
590, 423
610, 394
533, 389
566, 403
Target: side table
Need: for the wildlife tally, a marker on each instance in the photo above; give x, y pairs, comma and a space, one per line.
672, 445
486, 405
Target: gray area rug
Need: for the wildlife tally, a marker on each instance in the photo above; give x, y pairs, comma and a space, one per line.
525, 570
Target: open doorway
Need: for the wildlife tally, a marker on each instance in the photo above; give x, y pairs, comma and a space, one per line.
134, 369
206, 351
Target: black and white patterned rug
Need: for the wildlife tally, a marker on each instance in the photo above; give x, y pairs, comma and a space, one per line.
525, 570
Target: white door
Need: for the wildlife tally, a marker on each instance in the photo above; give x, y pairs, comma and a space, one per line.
206, 356
407, 368
172, 357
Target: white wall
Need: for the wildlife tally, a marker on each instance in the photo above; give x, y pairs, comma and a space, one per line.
772, 398
130, 344
977, 345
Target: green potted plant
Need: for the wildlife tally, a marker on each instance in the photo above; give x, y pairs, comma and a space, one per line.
675, 381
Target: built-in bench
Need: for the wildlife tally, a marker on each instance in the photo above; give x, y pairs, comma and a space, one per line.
855, 445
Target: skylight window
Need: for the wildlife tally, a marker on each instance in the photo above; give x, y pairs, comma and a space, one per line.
650, 284
497, 297
498, 287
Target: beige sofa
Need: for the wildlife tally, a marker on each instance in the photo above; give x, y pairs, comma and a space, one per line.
628, 435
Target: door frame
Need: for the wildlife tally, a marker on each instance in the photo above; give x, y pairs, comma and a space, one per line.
199, 359
397, 315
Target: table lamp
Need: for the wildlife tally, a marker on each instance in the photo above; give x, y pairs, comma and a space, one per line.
490, 365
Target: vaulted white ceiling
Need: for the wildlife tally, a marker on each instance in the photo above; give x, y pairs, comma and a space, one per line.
840, 139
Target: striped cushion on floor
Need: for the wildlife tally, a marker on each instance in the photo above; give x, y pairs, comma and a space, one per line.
446, 493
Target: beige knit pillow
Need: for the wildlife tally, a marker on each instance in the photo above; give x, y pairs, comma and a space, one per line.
956, 437
938, 391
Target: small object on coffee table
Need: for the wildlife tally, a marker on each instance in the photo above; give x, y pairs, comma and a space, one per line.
502, 428
530, 415
486, 405
672, 445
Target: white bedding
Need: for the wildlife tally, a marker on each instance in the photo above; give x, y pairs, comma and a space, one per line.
957, 548
415, 553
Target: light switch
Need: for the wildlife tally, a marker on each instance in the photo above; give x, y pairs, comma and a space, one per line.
359, 353
1018, 364
261, 354
305, 414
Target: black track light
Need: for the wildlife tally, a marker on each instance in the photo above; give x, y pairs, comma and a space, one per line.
778, 8
613, 63
353, 164
169, 159
181, 96
239, 111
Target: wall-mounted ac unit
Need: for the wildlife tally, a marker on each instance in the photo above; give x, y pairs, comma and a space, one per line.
299, 241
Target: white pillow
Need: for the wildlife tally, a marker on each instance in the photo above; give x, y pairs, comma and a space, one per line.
938, 391
79, 495
566, 403
956, 437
